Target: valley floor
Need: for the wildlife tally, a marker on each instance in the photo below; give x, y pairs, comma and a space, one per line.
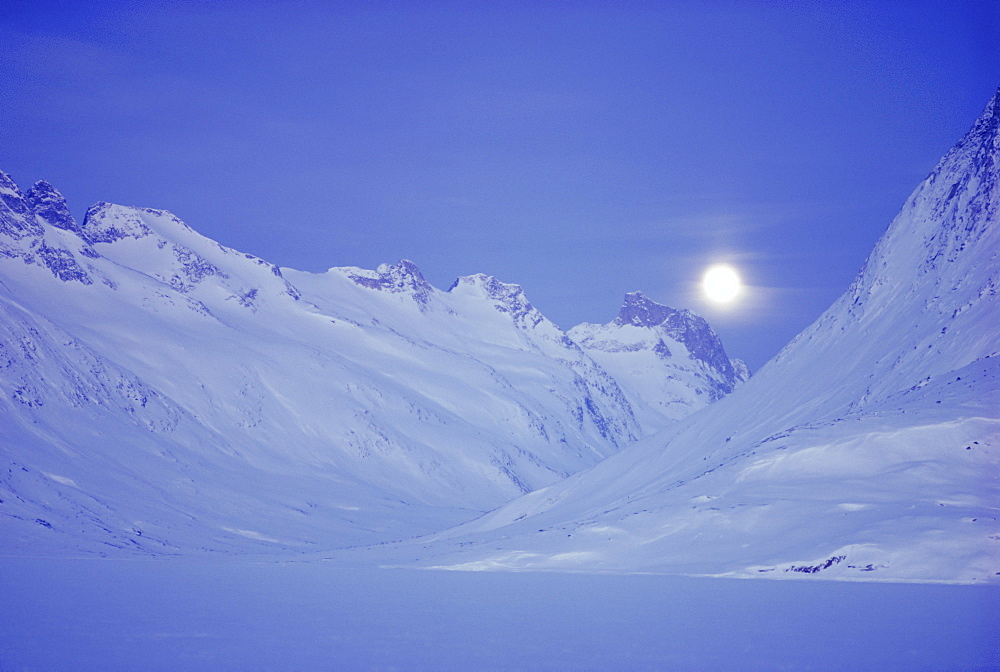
104, 614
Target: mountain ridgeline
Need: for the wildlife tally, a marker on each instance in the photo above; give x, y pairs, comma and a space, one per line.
867, 449
164, 394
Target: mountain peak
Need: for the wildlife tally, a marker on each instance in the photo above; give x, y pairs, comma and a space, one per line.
508, 297
404, 268
15, 214
489, 284
107, 223
990, 118
682, 325
641, 311
403, 277
10, 193
51, 206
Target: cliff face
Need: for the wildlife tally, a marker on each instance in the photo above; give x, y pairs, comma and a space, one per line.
669, 362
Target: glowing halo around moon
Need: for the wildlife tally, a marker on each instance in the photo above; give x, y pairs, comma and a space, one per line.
721, 283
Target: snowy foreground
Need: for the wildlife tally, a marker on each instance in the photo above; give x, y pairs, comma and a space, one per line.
251, 447
104, 614
162, 395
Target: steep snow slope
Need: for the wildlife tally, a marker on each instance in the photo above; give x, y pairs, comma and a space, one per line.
95, 460
164, 393
868, 448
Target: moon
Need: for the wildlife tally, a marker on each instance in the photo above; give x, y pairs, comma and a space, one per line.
721, 283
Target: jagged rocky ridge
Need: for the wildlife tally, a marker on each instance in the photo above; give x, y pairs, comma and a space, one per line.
671, 358
165, 394
869, 448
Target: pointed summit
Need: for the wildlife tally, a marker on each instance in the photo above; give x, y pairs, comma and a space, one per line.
51, 206
681, 325
11, 196
670, 362
640, 311
987, 126
15, 214
508, 297
23, 233
402, 277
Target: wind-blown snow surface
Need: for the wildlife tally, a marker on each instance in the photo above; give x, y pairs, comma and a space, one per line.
162, 393
869, 448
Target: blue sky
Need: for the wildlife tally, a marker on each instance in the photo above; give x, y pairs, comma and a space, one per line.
582, 150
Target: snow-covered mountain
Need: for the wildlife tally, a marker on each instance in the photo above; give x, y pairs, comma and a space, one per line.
869, 448
164, 393
672, 360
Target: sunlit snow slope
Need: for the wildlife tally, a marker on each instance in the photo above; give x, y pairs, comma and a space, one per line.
869, 448
162, 393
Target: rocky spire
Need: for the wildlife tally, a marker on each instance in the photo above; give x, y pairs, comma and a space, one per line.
681, 325
50, 205
16, 218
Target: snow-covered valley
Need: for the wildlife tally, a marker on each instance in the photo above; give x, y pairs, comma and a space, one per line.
166, 395
868, 449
